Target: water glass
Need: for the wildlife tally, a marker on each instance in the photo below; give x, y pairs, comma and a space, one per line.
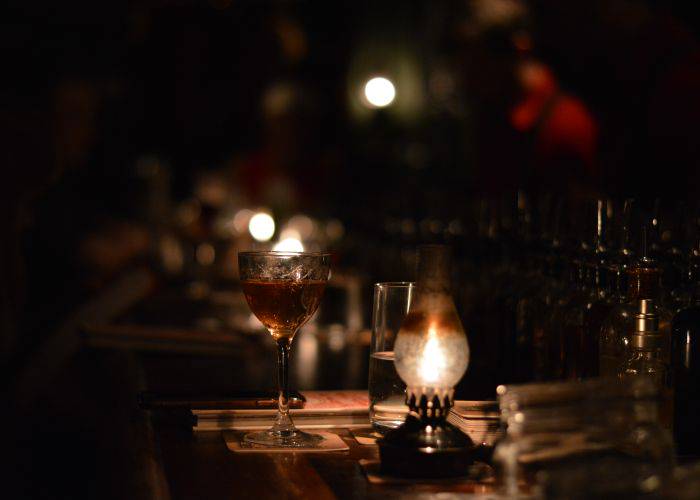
387, 392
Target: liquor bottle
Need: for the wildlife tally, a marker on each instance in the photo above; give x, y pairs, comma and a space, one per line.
683, 294
666, 248
531, 304
483, 297
515, 353
496, 289
685, 365
553, 296
564, 274
601, 298
585, 315
565, 320
623, 256
645, 357
621, 260
643, 283
569, 269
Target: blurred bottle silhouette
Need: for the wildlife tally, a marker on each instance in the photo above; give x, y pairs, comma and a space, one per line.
550, 286
645, 357
568, 320
555, 298
677, 254
685, 359
644, 283
623, 255
527, 304
534, 307
600, 300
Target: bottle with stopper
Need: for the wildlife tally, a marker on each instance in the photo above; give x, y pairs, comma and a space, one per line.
685, 360
645, 357
615, 335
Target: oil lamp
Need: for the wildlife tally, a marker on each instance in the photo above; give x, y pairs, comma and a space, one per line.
431, 355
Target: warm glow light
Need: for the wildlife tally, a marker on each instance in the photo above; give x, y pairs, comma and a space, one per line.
290, 233
289, 245
432, 364
334, 229
205, 254
379, 92
261, 226
434, 356
303, 225
242, 219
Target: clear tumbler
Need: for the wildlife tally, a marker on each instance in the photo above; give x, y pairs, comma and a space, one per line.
387, 391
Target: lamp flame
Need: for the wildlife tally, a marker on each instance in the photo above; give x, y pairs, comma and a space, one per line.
433, 360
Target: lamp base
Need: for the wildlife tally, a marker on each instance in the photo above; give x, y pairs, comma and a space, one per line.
418, 450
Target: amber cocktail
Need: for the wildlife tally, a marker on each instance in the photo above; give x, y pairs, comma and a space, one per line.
283, 289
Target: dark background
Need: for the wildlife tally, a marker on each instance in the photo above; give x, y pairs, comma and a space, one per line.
257, 92
185, 80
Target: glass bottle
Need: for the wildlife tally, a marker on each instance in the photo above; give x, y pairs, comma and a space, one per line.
483, 301
545, 345
685, 366
601, 299
572, 322
666, 248
643, 283
683, 296
562, 275
529, 304
508, 283
623, 257
621, 260
568, 267
645, 357
532, 310
584, 318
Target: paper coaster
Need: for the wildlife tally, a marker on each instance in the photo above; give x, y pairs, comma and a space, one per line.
331, 442
365, 436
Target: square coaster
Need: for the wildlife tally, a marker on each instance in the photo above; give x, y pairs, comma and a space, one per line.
331, 442
365, 435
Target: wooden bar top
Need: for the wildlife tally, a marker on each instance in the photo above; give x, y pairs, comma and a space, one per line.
159, 345
198, 465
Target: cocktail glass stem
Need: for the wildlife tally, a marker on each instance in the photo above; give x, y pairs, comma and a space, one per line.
283, 423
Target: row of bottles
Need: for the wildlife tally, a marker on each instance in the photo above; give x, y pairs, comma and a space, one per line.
555, 294
548, 289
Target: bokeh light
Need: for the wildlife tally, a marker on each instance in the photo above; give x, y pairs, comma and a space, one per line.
303, 225
205, 254
289, 245
290, 233
261, 226
242, 219
335, 229
380, 92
